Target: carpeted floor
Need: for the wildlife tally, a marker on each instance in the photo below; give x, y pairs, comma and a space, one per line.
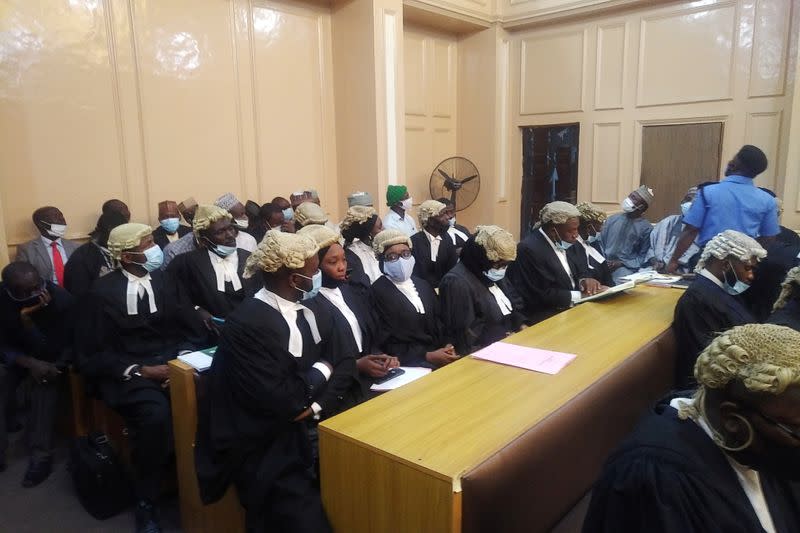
52, 506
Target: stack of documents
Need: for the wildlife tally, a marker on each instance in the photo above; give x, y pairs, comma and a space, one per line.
616, 289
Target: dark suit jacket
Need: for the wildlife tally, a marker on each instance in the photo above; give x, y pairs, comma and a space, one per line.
541, 280
35, 253
424, 268
160, 235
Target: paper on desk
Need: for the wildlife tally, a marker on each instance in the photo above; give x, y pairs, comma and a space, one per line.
534, 359
611, 291
641, 276
412, 373
200, 360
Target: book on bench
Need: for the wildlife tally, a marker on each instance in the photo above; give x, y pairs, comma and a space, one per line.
201, 360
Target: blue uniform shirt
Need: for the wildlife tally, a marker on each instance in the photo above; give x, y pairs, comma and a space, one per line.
733, 203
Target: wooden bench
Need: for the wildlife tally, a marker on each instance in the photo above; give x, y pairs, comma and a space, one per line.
226, 514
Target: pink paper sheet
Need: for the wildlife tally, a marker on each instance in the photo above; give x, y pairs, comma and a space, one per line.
534, 359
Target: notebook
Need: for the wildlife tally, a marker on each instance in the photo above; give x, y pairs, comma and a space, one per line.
200, 360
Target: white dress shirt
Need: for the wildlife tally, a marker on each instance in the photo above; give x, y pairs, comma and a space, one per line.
245, 241
435, 243
137, 287
749, 479
368, 260
226, 270
502, 300
335, 297
409, 290
49, 247
562, 257
407, 224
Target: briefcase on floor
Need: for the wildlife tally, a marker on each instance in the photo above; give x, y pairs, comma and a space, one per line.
101, 482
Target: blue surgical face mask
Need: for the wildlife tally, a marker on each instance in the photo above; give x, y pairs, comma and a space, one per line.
221, 250
737, 288
316, 283
288, 214
170, 225
399, 270
685, 206
154, 258
564, 245
495, 274
593, 238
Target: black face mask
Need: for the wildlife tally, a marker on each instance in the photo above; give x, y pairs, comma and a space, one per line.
781, 462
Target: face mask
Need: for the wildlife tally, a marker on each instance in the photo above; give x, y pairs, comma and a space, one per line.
56, 231
316, 283
170, 225
221, 249
154, 258
452, 222
495, 274
288, 214
564, 245
593, 238
399, 270
407, 204
685, 207
628, 206
242, 223
738, 287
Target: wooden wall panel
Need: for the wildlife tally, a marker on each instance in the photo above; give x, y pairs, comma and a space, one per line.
606, 162
764, 130
610, 70
687, 56
770, 43
552, 73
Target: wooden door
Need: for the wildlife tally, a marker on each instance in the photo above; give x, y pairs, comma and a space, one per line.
676, 157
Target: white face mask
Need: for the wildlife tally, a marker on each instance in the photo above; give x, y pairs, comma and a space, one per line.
56, 231
407, 204
628, 206
399, 270
242, 222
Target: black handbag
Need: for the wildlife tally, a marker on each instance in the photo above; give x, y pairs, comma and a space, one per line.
101, 482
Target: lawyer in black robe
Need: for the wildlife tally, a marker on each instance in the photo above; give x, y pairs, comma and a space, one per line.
670, 477
472, 314
427, 269
702, 311
160, 235
769, 274
111, 342
197, 279
540, 278
92, 259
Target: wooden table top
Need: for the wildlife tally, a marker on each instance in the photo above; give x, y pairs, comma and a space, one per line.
455, 418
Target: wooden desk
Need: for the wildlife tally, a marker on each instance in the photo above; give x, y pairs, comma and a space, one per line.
225, 515
396, 463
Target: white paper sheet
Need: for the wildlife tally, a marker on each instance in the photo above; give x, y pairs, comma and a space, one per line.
412, 373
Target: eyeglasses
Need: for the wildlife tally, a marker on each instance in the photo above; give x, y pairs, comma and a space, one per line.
783, 427
34, 294
392, 257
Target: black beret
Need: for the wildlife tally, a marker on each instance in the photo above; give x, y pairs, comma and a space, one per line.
753, 159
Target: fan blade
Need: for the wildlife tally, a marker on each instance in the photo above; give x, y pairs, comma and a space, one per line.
465, 180
443, 173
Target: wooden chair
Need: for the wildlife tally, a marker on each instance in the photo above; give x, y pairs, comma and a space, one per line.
226, 514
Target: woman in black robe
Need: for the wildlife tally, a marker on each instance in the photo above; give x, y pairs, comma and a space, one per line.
359, 227
697, 465
787, 307
479, 306
407, 307
267, 384
351, 304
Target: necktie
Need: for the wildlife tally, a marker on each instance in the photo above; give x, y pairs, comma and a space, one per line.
58, 263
